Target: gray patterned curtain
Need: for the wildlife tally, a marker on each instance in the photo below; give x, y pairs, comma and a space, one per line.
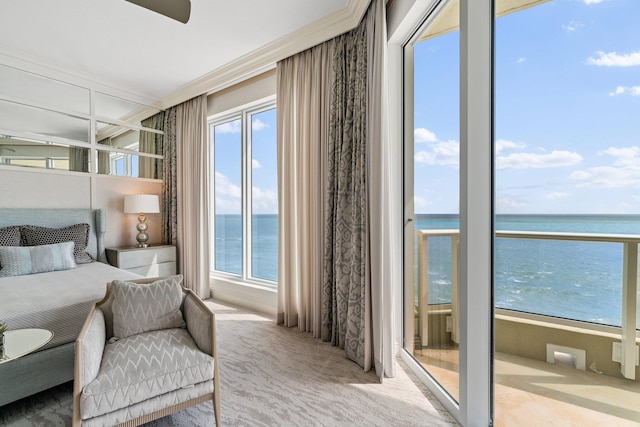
345, 304
170, 182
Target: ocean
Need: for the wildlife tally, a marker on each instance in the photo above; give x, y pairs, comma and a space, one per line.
569, 279
574, 280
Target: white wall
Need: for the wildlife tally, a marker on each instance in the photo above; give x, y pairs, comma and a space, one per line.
121, 228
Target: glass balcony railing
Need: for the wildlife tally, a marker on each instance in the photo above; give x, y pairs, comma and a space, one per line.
571, 290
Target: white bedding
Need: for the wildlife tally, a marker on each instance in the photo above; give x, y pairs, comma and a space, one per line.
59, 301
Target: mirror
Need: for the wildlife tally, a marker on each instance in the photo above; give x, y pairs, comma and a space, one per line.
32, 89
43, 154
23, 119
42, 118
144, 140
108, 108
119, 163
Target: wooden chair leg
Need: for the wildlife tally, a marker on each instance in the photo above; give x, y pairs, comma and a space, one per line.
216, 408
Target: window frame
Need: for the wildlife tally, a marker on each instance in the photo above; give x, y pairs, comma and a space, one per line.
245, 114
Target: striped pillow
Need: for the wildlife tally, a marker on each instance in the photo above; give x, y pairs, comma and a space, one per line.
21, 260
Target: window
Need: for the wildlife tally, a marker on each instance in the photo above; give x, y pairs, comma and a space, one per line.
245, 194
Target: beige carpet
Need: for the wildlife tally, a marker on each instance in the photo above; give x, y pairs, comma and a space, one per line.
274, 376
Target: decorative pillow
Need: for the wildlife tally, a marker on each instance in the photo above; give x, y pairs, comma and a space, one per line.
10, 236
139, 308
20, 260
79, 234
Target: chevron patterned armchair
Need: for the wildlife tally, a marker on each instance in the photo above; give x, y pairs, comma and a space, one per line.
146, 350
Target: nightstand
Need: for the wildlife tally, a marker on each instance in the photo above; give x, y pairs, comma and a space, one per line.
154, 261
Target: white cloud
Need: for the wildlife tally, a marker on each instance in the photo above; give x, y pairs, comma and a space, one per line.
504, 144
424, 135
505, 204
557, 158
623, 172
633, 90
225, 187
592, 1
264, 201
255, 164
612, 59
572, 26
228, 195
636, 198
229, 127
521, 60
555, 196
442, 153
258, 125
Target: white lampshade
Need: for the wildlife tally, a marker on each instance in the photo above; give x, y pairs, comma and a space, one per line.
141, 203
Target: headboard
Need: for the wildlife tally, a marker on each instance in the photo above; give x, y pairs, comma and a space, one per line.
57, 218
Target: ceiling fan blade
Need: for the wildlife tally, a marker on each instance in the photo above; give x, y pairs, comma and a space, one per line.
180, 10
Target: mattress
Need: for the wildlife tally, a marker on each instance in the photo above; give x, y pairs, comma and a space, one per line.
59, 301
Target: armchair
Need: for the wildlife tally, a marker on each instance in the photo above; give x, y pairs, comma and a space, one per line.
146, 350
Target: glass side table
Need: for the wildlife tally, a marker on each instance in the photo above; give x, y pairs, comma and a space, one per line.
20, 342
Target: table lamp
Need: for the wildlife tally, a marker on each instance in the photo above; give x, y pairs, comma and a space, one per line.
141, 204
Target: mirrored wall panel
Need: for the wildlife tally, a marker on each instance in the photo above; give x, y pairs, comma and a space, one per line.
117, 163
24, 119
141, 140
43, 154
133, 113
33, 89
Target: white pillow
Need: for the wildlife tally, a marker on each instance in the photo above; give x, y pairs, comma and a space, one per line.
20, 260
139, 308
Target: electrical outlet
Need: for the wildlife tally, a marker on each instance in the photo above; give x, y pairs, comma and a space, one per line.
448, 326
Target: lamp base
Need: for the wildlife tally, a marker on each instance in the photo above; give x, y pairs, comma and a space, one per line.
142, 237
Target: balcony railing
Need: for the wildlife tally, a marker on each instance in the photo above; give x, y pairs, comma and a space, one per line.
629, 282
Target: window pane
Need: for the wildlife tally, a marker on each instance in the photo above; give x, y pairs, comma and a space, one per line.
228, 196
264, 196
436, 182
567, 160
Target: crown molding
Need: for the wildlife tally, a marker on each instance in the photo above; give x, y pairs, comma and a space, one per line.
266, 57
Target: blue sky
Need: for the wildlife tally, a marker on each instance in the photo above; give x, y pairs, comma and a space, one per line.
567, 116
228, 165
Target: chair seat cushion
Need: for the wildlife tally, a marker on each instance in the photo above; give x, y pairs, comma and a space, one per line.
143, 366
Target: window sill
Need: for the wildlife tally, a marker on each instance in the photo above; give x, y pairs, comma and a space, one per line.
253, 296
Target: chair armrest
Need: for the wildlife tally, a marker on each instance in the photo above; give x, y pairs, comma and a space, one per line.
88, 355
200, 323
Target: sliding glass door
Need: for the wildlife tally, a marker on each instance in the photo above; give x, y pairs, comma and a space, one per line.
432, 284
522, 231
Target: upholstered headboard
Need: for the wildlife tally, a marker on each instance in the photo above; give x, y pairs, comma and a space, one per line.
56, 218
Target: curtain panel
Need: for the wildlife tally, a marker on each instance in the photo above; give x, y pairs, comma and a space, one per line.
346, 314
335, 273
304, 91
186, 191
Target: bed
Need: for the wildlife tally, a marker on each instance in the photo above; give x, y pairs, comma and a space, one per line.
58, 300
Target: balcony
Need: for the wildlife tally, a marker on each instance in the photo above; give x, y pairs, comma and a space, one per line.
537, 353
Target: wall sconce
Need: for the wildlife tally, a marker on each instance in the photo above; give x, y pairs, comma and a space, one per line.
142, 204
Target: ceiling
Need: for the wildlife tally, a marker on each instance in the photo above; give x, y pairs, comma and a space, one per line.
121, 45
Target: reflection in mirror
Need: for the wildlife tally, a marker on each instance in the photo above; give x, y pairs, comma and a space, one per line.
110, 107
43, 154
33, 89
21, 118
126, 164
